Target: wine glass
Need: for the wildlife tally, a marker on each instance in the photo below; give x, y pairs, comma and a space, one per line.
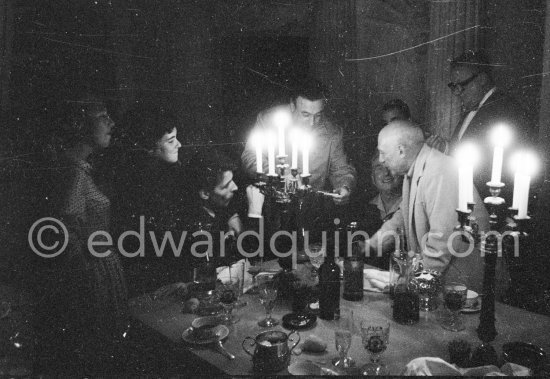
267, 289
254, 269
375, 335
316, 254
342, 339
229, 292
454, 296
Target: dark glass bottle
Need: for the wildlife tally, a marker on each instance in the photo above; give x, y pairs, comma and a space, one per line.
406, 302
353, 267
329, 286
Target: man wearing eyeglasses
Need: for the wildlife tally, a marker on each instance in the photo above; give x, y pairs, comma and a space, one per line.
484, 106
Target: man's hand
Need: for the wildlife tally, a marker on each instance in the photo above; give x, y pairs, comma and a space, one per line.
438, 142
343, 195
255, 201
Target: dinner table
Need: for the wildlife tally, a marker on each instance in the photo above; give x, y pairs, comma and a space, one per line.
425, 338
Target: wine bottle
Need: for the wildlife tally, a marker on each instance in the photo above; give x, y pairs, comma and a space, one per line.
329, 286
406, 302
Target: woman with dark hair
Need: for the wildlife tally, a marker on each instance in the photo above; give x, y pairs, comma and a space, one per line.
84, 312
152, 188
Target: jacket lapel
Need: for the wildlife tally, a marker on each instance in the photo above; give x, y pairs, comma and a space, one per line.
416, 176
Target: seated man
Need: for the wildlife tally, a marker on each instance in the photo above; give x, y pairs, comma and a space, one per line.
328, 165
211, 206
382, 207
430, 196
212, 220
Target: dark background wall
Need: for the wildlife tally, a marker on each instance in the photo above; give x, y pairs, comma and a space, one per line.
217, 63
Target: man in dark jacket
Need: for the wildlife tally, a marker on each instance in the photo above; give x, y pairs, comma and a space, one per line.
485, 106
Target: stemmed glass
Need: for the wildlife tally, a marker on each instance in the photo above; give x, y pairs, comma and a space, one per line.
342, 339
316, 254
255, 269
375, 334
267, 290
229, 293
454, 296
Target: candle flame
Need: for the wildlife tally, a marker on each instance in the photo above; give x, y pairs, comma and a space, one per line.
295, 134
257, 139
467, 153
501, 135
282, 118
305, 140
524, 162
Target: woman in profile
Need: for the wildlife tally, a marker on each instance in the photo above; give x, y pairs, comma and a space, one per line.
152, 186
85, 308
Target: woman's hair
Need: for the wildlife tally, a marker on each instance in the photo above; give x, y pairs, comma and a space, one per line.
148, 125
78, 119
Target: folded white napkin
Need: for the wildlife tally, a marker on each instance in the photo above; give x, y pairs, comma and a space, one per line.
374, 279
433, 366
237, 270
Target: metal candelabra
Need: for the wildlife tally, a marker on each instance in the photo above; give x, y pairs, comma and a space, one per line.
486, 331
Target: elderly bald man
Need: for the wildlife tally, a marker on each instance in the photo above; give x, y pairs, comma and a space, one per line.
430, 197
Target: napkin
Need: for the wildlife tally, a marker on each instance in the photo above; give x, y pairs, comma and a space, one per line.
374, 279
237, 270
433, 366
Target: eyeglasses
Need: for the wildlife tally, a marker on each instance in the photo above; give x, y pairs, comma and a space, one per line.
459, 86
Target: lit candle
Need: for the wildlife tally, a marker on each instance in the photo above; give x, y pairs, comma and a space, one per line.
515, 198
306, 146
257, 143
282, 119
271, 154
467, 157
500, 136
523, 195
524, 165
497, 164
294, 138
469, 177
462, 191
282, 151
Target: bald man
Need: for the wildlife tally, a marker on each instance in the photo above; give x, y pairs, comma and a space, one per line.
430, 197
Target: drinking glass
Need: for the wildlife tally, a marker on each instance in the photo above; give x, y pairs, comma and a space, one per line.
204, 278
428, 284
229, 292
239, 267
454, 297
342, 339
316, 254
375, 335
254, 269
267, 290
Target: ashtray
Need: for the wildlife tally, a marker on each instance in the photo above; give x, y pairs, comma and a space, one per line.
524, 354
299, 321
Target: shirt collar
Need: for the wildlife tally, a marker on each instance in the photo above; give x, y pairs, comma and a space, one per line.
420, 159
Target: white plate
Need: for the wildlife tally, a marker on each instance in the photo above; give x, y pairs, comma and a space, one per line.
310, 368
220, 332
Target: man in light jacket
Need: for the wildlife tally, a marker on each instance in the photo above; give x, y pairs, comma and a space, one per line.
428, 210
